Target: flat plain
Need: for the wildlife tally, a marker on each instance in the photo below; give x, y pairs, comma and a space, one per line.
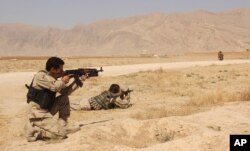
180, 108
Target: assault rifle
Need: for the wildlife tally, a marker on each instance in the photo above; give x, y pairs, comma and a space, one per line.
76, 73
125, 93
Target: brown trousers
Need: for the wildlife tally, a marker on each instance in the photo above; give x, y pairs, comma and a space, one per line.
40, 128
61, 106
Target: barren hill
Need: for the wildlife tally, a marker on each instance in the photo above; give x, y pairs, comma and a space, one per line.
157, 32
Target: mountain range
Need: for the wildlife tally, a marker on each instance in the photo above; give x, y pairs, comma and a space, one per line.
157, 33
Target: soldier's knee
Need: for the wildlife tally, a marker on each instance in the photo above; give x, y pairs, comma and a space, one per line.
29, 132
63, 98
32, 133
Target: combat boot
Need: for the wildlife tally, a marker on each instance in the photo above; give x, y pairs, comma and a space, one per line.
68, 129
31, 133
75, 107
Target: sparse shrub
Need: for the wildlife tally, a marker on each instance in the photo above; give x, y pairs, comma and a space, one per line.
201, 77
245, 95
164, 136
216, 128
188, 75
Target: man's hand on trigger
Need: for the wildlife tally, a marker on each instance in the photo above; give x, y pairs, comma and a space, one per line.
66, 78
125, 97
84, 77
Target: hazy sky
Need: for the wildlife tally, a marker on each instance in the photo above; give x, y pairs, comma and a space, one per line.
68, 13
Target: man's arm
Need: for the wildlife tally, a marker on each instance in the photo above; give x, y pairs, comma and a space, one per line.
44, 81
122, 103
73, 86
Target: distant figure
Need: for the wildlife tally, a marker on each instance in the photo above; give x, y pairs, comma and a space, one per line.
220, 56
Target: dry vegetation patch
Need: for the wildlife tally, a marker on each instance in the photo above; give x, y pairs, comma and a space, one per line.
4, 122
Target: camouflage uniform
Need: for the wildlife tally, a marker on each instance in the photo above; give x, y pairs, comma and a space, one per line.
105, 100
40, 123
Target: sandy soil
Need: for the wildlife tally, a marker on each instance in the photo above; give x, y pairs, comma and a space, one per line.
207, 130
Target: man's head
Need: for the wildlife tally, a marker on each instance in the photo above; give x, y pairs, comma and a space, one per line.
54, 66
114, 88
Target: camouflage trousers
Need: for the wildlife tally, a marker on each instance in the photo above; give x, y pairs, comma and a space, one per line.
86, 104
42, 125
81, 105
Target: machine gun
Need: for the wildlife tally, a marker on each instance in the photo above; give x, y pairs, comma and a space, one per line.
76, 73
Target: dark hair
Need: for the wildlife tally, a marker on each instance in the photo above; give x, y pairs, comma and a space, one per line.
114, 88
54, 62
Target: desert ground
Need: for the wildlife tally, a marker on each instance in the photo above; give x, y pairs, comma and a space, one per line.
188, 102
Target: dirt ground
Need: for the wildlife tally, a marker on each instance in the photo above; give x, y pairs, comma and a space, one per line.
177, 105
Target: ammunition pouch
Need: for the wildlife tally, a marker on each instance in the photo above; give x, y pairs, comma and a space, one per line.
45, 98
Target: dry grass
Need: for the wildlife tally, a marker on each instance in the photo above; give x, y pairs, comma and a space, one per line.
195, 90
4, 121
207, 98
217, 97
160, 112
245, 95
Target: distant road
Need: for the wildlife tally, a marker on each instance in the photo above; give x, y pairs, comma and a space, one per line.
21, 77
127, 69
